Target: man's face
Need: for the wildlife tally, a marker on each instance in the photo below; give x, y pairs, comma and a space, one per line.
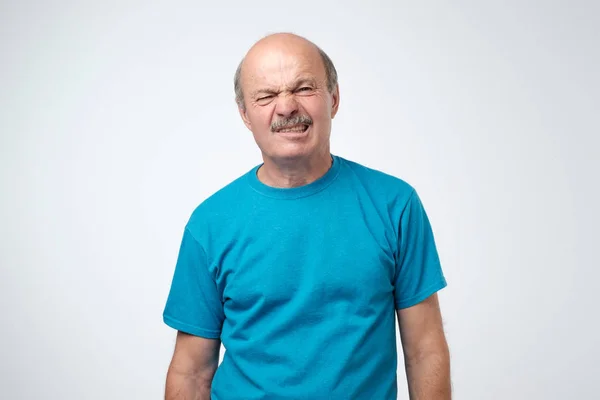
288, 107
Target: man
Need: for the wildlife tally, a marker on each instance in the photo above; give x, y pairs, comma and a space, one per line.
300, 266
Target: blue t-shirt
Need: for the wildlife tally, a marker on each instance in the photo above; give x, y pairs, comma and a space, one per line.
301, 285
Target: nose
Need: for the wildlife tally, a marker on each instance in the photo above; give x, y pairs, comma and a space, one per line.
286, 106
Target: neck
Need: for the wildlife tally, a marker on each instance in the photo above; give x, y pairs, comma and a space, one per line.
294, 173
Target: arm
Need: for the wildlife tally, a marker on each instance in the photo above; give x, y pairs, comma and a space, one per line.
426, 355
192, 368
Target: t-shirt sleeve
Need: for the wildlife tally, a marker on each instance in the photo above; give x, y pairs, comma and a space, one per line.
193, 305
418, 272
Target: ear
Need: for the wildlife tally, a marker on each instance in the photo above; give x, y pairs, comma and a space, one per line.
335, 101
244, 115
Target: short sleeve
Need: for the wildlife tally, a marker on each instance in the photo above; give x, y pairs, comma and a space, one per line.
193, 305
418, 272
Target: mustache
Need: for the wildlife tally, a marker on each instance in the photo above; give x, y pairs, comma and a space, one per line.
289, 122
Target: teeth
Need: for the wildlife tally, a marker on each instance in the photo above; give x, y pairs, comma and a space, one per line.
294, 129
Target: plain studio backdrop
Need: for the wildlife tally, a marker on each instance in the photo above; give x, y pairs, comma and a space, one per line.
118, 118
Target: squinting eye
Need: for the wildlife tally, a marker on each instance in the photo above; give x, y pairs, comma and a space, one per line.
303, 89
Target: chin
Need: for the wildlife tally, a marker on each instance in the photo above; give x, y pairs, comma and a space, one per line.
285, 149
291, 152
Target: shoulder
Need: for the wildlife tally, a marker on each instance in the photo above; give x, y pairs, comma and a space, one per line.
221, 204
380, 183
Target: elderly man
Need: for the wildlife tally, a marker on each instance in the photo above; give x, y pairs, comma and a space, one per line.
300, 266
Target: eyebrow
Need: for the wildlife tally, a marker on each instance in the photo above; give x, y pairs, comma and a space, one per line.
297, 84
260, 92
304, 81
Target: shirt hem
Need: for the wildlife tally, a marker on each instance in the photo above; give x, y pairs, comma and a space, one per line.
191, 329
424, 294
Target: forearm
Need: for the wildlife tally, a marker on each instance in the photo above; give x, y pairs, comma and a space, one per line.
429, 376
181, 386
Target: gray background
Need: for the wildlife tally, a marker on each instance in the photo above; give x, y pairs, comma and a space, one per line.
118, 118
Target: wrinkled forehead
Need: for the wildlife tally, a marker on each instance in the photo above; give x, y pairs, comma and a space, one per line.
282, 67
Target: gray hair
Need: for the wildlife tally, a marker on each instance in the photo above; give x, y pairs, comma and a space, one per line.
330, 72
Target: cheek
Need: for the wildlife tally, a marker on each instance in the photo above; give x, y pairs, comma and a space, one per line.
318, 108
260, 119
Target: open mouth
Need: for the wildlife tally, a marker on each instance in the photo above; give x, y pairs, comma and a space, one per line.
293, 129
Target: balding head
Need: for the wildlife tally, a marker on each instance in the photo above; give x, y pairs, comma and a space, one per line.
282, 42
287, 95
